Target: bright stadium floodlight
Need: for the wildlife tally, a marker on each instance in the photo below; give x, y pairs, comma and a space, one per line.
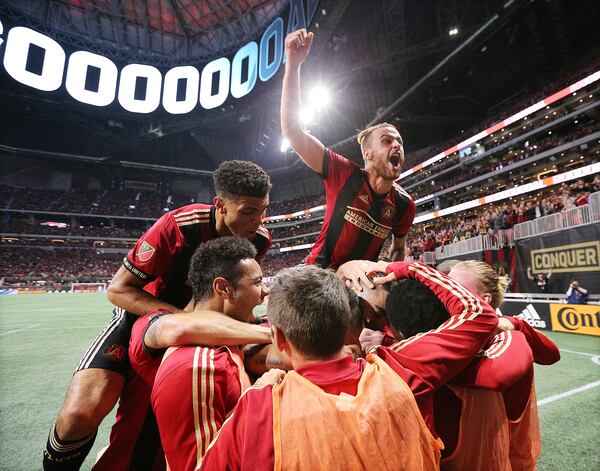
453, 31
285, 145
319, 97
307, 115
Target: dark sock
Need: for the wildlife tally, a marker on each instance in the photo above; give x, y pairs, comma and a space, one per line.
62, 455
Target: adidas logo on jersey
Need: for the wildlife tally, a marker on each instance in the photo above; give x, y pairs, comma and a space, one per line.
531, 316
364, 198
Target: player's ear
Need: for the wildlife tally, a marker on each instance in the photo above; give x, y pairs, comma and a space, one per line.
487, 297
222, 288
219, 204
280, 340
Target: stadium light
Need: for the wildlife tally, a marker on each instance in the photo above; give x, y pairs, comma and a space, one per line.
319, 97
453, 31
307, 115
285, 144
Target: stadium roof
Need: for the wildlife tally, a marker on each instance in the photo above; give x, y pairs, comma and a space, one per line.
392, 60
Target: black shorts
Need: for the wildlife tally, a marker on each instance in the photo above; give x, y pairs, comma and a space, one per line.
110, 350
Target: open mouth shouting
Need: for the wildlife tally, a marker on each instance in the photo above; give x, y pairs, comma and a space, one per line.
396, 162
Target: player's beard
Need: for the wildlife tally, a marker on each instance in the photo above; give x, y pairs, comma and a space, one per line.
383, 170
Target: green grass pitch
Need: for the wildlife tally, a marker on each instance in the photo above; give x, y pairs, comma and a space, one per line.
42, 337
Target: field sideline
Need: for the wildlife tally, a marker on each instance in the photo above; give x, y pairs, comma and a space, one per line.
42, 337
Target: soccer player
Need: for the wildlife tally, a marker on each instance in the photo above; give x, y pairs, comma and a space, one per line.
504, 435
153, 277
334, 410
507, 365
197, 387
227, 284
363, 205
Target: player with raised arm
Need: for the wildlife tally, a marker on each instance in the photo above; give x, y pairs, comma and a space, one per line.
363, 205
153, 277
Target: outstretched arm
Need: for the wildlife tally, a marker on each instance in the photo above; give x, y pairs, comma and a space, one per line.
309, 148
438, 355
202, 328
545, 351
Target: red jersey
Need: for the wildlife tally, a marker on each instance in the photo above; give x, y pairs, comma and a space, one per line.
134, 439
506, 365
357, 220
195, 390
161, 257
424, 362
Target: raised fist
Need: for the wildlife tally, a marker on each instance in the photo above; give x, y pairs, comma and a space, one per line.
297, 46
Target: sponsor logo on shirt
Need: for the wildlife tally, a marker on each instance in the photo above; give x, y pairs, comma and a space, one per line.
145, 252
364, 221
531, 316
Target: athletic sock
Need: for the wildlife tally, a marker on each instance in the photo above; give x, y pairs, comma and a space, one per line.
62, 455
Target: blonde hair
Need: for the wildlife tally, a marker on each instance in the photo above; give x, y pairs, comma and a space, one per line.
487, 278
363, 136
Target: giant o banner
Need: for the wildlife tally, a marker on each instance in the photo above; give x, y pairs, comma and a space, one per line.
38, 61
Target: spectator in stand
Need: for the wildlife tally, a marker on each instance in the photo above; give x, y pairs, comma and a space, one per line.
576, 294
541, 280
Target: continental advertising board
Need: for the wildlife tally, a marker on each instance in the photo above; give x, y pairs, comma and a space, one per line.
572, 318
564, 255
575, 318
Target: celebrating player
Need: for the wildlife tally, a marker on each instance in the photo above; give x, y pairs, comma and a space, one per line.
153, 277
334, 410
363, 205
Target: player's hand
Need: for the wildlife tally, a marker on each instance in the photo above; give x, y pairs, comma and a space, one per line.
504, 325
356, 273
274, 376
382, 280
370, 338
297, 46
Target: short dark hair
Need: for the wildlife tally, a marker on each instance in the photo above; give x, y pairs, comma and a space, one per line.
355, 326
310, 305
217, 258
241, 178
412, 308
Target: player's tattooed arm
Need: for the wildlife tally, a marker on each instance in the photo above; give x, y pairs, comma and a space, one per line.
261, 358
397, 249
208, 328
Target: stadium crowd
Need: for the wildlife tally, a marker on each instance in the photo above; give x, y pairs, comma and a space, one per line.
73, 265
491, 220
512, 156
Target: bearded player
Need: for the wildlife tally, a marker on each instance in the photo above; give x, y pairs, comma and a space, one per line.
363, 205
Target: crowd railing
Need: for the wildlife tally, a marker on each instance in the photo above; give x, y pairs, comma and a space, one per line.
579, 216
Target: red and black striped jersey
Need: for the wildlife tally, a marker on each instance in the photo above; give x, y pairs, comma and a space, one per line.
162, 255
357, 220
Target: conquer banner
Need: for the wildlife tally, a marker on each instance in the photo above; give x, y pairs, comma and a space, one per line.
557, 258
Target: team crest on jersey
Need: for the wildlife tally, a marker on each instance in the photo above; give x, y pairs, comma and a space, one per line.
364, 198
145, 252
387, 212
116, 352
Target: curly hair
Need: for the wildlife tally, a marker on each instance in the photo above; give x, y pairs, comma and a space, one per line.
217, 258
241, 178
412, 308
